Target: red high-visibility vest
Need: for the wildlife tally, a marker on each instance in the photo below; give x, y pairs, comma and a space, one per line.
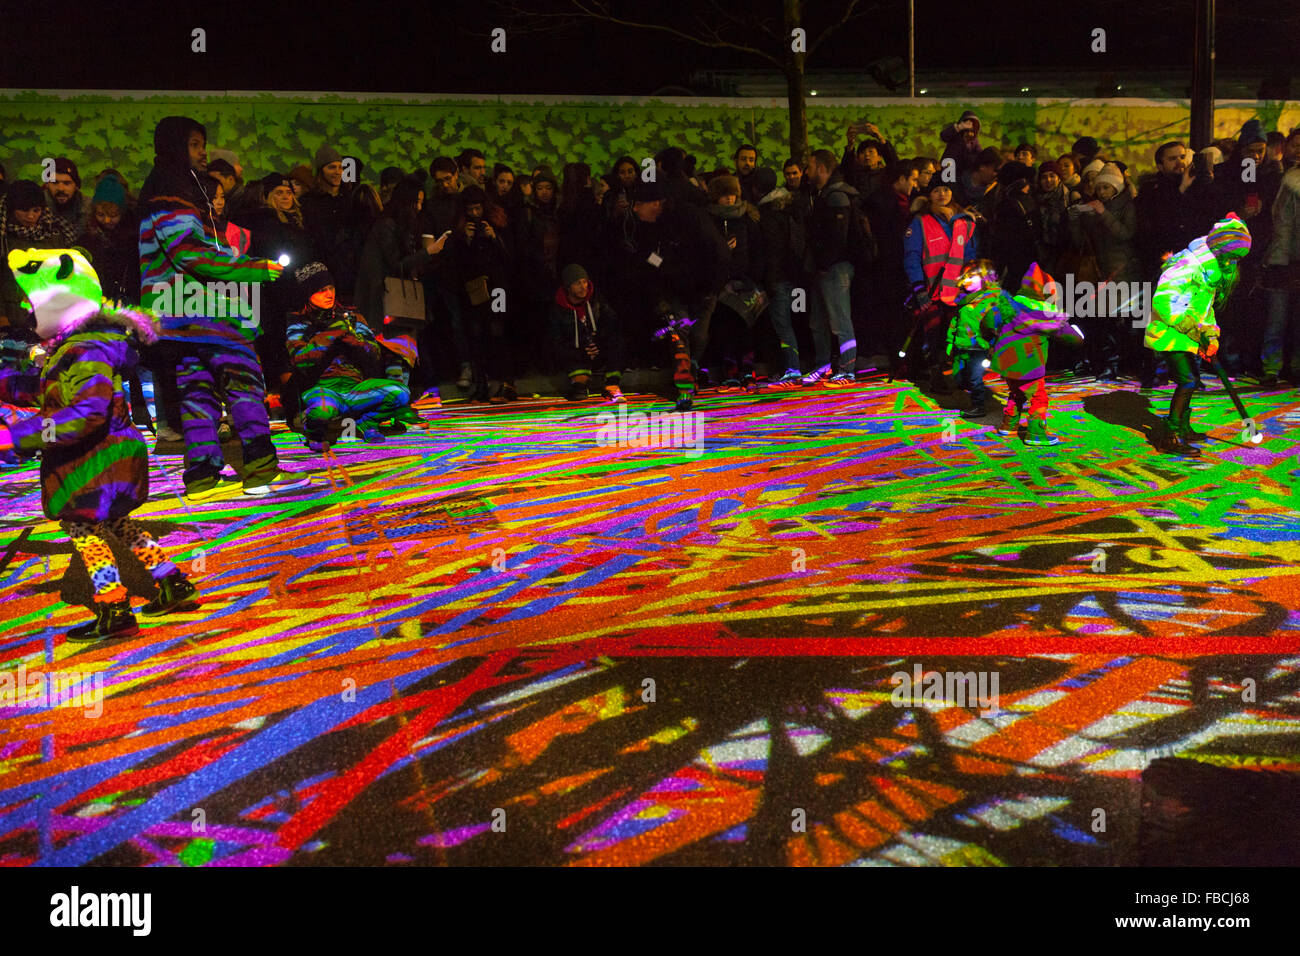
944, 256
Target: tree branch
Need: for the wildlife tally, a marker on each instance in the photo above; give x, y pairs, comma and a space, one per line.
594, 12
848, 15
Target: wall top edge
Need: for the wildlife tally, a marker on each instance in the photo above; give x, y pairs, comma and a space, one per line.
416, 99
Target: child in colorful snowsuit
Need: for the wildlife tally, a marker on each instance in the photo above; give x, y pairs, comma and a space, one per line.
94, 464
1182, 324
587, 332
983, 306
1019, 354
340, 361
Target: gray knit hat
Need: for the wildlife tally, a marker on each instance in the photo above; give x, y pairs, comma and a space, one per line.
326, 155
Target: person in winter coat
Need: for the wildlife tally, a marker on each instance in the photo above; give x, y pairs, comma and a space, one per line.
939, 241
587, 335
1280, 352
483, 261
782, 224
1193, 282
25, 223
737, 223
1053, 201
578, 216
622, 179
111, 238
983, 308
67, 201
179, 246
94, 464
1019, 353
1108, 225
962, 146
393, 249
340, 365
834, 207
324, 216
1014, 225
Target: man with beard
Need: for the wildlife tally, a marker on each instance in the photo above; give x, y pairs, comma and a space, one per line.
66, 200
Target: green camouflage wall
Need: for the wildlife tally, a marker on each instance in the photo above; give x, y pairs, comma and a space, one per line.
277, 131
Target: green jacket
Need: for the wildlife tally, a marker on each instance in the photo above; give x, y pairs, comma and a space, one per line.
1182, 314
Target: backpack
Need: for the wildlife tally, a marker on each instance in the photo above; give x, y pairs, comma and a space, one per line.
863, 250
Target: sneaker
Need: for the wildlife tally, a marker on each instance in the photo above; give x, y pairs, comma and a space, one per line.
372, 435
319, 447
1010, 425
222, 488
840, 380
111, 620
613, 393
576, 392
1037, 434
974, 413
466, 376
283, 481
684, 402
170, 434
175, 593
791, 379
816, 377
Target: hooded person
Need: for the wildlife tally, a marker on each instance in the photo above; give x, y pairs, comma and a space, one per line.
94, 464
587, 334
1192, 283
186, 275
1018, 352
324, 216
339, 364
962, 146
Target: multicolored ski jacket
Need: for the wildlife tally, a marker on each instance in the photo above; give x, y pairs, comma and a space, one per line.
1020, 351
1182, 313
175, 238
94, 464
980, 316
313, 331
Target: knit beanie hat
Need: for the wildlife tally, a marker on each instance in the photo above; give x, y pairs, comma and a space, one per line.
1110, 173
720, 186
1012, 172
301, 174
109, 190
24, 194
1229, 238
571, 274
310, 279
935, 182
1049, 167
275, 181
68, 167
1093, 167
974, 120
229, 155
648, 192
326, 155
546, 176
391, 176
1252, 131
764, 181
1085, 146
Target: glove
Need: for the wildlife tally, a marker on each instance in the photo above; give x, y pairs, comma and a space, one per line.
592, 350
916, 299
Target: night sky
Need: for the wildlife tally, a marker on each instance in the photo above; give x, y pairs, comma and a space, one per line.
443, 47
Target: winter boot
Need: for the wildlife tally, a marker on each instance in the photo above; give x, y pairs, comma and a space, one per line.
1170, 440
1185, 427
1010, 423
175, 593
974, 413
1038, 434
111, 620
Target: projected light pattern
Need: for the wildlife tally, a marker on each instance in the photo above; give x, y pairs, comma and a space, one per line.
496, 642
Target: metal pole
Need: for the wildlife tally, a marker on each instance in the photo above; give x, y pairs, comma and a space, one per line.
911, 48
1203, 75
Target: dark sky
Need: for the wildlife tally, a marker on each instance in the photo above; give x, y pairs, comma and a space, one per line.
378, 45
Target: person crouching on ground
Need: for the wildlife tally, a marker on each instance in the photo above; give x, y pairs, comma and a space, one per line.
94, 463
339, 364
1182, 324
587, 334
